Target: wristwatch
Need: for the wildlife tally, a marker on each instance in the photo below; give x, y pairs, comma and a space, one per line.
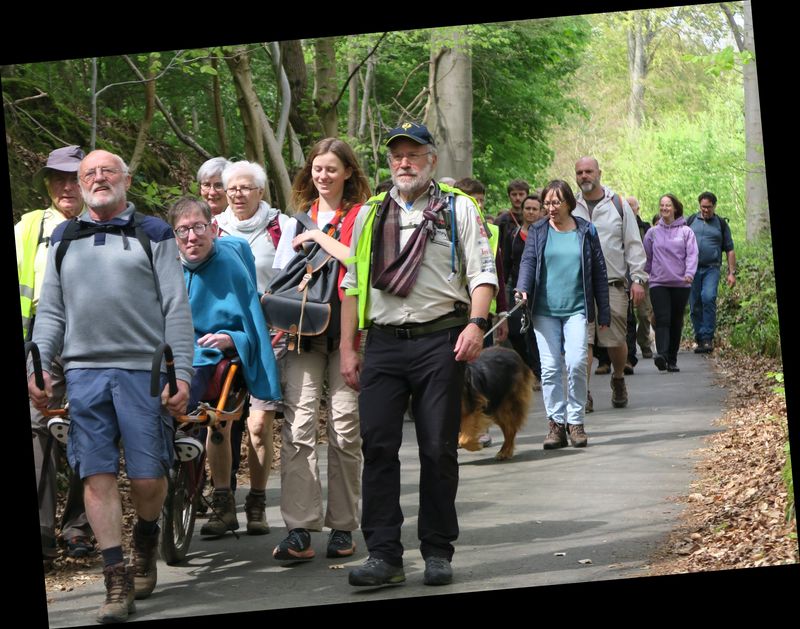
482, 323
639, 281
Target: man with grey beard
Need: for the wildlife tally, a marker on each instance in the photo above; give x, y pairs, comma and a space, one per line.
425, 297
113, 292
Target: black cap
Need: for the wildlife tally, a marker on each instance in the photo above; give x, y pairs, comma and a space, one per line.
413, 131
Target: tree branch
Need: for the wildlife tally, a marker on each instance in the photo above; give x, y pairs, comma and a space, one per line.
357, 68
41, 94
737, 34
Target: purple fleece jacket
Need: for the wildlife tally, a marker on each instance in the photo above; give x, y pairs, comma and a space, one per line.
671, 254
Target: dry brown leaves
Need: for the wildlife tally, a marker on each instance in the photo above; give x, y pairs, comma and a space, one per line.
735, 511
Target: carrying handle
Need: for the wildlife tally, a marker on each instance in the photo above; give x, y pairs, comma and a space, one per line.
163, 351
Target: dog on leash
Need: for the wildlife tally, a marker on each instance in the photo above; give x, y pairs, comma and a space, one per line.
497, 388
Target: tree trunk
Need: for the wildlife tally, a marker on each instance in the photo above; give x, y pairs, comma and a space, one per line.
284, 91
93, 139
369, 80
295, 66
449, 109
352, 101
239, 65
639, 37
149, 110
219, 117
325, 91
756, 198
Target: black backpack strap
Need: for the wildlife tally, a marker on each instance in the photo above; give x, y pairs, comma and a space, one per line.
70, 234
617, 203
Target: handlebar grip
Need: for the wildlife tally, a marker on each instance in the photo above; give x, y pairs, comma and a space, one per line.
163, 351
33, 349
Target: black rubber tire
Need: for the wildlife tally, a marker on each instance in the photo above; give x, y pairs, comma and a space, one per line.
178, 514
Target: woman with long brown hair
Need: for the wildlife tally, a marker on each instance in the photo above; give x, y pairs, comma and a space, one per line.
331, 187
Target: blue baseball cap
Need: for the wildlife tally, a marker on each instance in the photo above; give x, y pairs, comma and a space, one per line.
411, 130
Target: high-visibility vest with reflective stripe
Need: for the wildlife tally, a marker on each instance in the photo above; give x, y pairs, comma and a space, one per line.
31, 229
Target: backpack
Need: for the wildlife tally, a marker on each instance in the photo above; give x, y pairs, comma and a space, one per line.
302, 299
723, 224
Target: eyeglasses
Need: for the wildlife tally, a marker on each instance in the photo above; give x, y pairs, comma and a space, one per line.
556, 204
245, 190
199, 229
706, 207
397, 158
108, 173
205, 185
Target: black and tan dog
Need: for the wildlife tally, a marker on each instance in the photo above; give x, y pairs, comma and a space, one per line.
497, 388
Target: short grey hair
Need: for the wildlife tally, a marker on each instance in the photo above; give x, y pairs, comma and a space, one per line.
212, 168
245, 169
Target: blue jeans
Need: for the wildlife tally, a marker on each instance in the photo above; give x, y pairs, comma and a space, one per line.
563, 341
703, 302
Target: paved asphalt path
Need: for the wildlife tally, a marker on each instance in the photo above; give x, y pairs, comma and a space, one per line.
542, 518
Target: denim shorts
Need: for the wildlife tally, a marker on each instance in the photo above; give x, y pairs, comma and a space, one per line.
109, 406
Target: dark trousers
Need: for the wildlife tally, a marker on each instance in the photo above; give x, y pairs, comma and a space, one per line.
669, 304
631, 335
425, 369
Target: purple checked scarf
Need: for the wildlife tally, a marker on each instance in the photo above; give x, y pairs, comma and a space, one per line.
396, 271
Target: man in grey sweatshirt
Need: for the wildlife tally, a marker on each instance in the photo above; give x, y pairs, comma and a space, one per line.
105, 308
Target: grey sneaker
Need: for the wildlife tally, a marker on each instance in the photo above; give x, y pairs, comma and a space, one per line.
577, 435
556, 438
438, 571
119, 601
619, 394
223, 515
374, 572
255, 510
340, 544
143, 563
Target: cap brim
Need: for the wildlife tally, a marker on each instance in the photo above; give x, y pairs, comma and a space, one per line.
405, 135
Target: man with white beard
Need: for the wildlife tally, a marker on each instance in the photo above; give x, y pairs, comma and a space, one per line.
425, 297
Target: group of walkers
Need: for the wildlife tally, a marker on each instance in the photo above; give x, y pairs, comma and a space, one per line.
420, 269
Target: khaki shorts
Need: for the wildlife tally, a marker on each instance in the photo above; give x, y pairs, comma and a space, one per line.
616, 334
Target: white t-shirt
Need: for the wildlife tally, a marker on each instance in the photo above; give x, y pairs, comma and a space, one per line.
285, 252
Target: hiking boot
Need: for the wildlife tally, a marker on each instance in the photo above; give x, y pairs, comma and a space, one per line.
647, 352
79, 546
437, 571
374, 572
119, 601
602, 370
660, 362
619, 394
223, 515
296, 547
589, 403
143, 563
628, 369
255, 510
556, 438
708, 346
340, 544
672, 367
577, 435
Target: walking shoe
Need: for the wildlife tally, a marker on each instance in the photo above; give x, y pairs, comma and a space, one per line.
223, 515
485, 440
438, 571
296, 547
143, 563
119, 601
340, 544
589, 403
79, 546
255, 509
708, 345
672, 367
660, 362
647, 352
556, 438
374, 572
628, 369
699, 349
602, 370
619, 394
577, 435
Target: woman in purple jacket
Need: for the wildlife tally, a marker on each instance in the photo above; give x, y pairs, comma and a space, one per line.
671, 251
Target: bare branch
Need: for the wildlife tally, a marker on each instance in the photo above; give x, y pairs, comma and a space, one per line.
144, 79
41, 94
405, 83
352, 74
737, 34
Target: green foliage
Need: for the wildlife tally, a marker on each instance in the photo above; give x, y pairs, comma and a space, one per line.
748, 314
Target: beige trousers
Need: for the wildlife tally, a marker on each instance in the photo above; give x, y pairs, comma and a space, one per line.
301, 490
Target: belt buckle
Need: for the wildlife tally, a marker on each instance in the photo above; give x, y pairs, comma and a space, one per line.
403, 333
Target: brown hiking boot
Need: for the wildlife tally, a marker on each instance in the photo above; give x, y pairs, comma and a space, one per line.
619, 394
556, 438
254, 508
602, 369
143, 563
577, 436
223, 515
119, 594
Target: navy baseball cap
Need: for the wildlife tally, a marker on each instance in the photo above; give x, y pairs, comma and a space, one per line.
411, 130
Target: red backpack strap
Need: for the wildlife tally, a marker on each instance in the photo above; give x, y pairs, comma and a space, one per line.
274, 229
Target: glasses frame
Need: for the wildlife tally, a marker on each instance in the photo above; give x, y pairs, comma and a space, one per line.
182, 232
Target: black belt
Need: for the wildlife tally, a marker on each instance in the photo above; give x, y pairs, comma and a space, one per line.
617, 283
413, 330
